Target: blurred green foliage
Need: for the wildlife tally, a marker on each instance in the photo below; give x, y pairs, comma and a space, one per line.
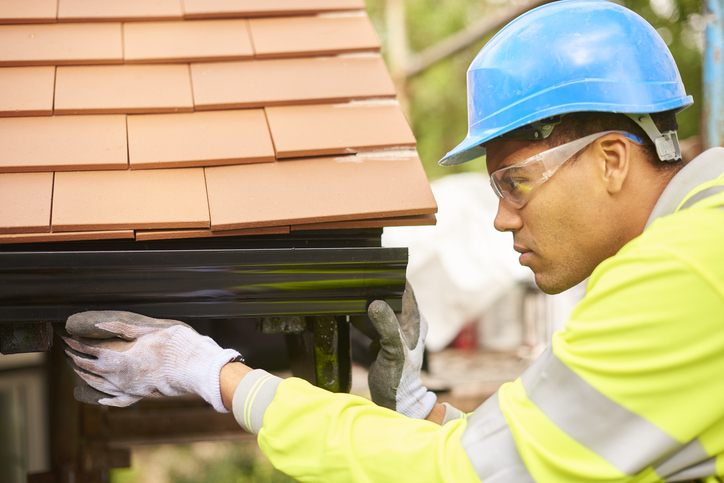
242, 466
206, 462
437, 98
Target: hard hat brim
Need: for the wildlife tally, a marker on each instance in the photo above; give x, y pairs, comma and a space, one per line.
473, 146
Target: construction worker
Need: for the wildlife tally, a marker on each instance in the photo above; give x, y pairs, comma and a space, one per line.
574, 105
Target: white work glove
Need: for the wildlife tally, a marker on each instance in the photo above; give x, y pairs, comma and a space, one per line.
128, 356
394, 377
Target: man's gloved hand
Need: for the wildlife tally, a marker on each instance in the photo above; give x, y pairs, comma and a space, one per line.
394, 377
128, 356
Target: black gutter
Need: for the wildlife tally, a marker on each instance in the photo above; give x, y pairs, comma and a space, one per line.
187, 284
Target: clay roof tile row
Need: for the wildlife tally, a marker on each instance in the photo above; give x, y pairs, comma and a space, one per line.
133, 88
51, 11
183, 41
265, 119
204, 138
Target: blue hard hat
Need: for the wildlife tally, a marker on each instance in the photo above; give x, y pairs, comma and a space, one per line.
563, 57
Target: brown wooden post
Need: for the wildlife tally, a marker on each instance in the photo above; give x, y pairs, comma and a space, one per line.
79, 449
64, 417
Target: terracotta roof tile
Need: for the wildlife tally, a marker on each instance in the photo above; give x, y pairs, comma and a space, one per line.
145, 235
66, 236
210, 138
104, 10
337, 128
316, 190
58, 44
27, 91
256, 83
25, 202
250, 8
217, 107
123, 89
88, 142
291, 36
28, 11
418, 220
112, 200
205, 40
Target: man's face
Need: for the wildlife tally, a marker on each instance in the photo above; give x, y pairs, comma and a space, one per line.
567, 226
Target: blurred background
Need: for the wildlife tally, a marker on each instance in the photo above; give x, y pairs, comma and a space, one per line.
487, 319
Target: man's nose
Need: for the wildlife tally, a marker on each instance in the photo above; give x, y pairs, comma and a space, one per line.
507, 218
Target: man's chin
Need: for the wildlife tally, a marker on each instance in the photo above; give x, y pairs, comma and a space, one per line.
550, 287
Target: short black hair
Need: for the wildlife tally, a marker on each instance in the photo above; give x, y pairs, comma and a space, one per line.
579, 124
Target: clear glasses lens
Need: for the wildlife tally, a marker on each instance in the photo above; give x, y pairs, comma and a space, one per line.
515, 183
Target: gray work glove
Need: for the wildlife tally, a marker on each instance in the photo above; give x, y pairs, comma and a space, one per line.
125, 357
394, 377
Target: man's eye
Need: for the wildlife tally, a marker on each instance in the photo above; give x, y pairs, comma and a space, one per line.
516, 183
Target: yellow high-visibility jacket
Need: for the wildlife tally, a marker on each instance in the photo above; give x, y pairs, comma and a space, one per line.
632, 390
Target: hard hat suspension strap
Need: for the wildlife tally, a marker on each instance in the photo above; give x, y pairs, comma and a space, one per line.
667, 143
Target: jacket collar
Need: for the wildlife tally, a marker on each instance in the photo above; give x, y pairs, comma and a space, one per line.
705, 167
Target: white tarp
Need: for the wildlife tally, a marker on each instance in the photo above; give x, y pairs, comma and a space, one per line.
459, 267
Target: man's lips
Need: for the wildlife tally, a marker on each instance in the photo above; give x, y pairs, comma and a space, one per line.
525, 254
521, 248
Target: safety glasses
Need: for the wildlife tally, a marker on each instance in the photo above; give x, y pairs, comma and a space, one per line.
515, 183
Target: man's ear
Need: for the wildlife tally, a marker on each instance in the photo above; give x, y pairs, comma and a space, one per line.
615, 154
